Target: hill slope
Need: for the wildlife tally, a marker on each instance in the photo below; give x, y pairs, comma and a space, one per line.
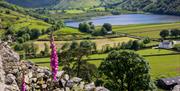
33, 3
65, 4
155, 6
10, 17
56, 3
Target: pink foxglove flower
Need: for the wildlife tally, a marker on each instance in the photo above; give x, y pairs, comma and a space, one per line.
54, 58
23, 88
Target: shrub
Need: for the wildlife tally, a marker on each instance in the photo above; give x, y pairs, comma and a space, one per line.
177, 47
18, 47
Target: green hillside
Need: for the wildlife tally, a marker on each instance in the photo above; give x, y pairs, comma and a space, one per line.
63, 4
16, 20
33, 3
155, 6
68, 4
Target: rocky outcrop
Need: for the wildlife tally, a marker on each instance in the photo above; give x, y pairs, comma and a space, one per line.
36, 78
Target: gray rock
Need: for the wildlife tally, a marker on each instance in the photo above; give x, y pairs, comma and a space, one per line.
67, 89
76, 79
10, 78
90, 87
30, 75
60, 74
44, 85
15, 71
34, 80
81, 85
69, 83
101, 89
39, 70
176, 88
66, 77
40, 75
58, 89
26, 78
47, 72
63, 82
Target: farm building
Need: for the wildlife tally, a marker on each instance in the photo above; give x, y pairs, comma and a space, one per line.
167, 44
168, 83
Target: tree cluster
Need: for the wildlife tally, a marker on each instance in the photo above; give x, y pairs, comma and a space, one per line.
90, 28
131, 45
86, 27
30, 49
105, 29
170, 33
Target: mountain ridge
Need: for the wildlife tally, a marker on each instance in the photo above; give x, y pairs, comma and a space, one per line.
155, 6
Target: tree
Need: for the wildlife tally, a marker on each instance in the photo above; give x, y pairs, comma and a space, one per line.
10, 31
46, 49
75, 53
103, 31
20, 40
174, 32
23, 31
30, 48
146, 40
107, 26
86, 27
18, 47
136, 45
129, 44
26, 37
164, 33
74, 45
34, 49
35, 33
126, 70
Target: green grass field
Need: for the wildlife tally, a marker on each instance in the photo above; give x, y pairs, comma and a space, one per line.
154, 51
99, 42
161, 66
144, 30
67, 30
73, 11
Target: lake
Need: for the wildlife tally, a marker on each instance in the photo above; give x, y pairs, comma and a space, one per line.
129, 19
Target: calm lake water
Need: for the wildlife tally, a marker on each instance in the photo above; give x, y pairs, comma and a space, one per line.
129, 19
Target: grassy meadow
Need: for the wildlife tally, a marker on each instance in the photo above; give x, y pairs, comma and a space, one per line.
99, 42
145, 30
161, 66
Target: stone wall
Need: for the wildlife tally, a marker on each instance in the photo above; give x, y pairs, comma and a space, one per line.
10, 59
36, 78
9, 67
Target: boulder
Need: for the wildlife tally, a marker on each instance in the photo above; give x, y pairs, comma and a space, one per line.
66, 77
40, 75
101, 89
10, 79
90, 87
60, 74
76, 79
69, 83
176, 88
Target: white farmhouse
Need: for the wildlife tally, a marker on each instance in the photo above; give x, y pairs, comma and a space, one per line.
166, 44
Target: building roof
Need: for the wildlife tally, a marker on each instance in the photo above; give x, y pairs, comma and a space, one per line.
170, 81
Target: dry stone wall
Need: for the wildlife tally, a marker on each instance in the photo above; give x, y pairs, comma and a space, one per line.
36, 78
